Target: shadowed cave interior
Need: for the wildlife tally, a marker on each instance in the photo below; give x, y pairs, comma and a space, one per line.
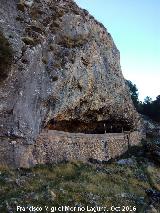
97, 127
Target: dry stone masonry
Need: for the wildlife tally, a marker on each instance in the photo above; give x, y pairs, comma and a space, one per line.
60, 71
56, 146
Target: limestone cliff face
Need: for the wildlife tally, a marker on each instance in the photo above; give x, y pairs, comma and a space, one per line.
64, 68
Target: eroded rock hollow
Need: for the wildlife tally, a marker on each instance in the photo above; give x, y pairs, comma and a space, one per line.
61, 71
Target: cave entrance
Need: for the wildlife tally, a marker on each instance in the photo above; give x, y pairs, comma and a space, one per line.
97, 127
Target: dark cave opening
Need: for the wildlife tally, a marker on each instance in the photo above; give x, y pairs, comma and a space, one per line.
94, 127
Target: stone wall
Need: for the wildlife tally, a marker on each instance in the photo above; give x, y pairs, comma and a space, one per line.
65, 67
56, 146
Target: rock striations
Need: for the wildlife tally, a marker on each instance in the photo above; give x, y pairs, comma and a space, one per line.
59, 70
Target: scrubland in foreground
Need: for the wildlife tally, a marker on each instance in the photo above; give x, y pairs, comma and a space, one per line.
118, 183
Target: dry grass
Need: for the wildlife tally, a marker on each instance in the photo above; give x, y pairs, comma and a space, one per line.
154, 173
76, 183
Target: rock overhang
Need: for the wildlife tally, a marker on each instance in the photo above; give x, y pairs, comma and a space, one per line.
66, 67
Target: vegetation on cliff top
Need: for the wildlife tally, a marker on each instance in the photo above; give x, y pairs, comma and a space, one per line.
148, 107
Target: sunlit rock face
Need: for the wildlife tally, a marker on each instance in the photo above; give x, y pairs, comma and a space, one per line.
65, 69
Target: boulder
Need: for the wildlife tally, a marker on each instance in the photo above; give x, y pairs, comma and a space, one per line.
128, 161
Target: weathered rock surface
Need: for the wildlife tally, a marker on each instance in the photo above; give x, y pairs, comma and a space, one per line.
65, 69
152, 150
152, 128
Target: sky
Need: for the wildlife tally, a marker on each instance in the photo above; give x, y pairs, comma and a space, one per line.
135, 28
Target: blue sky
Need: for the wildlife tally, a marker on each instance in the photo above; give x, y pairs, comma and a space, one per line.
135, 28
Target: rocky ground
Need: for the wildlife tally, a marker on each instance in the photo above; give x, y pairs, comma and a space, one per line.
133, 182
